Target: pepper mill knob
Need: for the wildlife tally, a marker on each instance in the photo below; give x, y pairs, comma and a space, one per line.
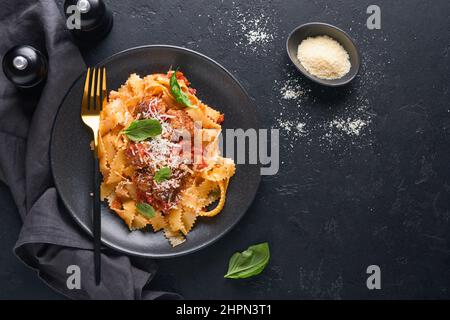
96, 19
25, 66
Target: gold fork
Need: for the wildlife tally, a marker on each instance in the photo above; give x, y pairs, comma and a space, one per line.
94, 98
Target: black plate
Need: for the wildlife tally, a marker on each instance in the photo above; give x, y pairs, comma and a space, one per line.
71, 158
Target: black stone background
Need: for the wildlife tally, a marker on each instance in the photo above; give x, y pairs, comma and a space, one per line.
339, 203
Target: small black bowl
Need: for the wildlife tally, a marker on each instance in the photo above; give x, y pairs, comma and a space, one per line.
323, 29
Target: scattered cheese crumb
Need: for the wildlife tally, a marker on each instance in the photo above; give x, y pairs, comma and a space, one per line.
258, 36
350, 127
297, 129
301, 127
256, 30
290, 92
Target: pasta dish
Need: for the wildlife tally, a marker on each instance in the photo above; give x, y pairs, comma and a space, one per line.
159, 155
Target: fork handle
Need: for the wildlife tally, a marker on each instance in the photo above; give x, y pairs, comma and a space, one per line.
97, 222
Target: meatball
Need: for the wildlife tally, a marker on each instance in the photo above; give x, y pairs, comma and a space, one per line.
181, 120
150, 106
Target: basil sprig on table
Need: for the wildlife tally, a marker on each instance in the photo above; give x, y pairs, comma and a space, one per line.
248, 263
162, 174
140, 130
178, 94
146, 209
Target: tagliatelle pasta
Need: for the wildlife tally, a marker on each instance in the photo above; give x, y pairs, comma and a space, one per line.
159, 155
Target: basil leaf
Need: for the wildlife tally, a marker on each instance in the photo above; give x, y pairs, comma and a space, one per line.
140, 130
146, 209
162, 174
250, 262
178, 94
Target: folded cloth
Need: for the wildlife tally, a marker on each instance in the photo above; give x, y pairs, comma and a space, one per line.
50, 241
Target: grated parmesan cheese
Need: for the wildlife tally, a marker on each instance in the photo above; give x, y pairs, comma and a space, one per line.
349, 126
323, 57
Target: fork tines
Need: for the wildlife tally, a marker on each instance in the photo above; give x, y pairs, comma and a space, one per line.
94, 90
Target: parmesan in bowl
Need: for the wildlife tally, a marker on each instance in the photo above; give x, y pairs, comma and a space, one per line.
323, 53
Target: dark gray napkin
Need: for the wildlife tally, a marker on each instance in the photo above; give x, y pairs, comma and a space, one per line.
50, 241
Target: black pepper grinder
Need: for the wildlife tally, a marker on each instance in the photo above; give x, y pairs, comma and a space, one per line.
96, 20
25, 66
